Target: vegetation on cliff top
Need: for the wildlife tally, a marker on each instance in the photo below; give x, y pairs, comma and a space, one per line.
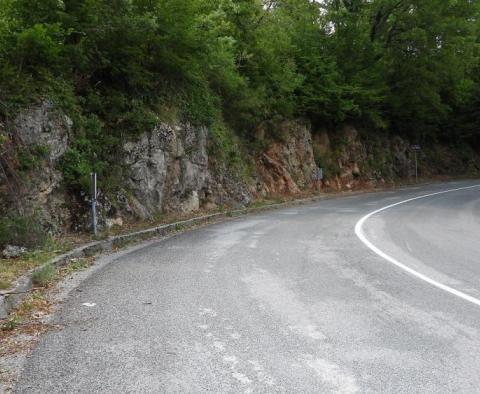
407, 66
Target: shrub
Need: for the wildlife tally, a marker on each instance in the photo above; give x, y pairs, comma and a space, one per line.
39, 46
29, 159
22, 231
44, 275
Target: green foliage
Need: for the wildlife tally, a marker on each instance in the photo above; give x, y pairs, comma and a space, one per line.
11, 323
22, 231
31, 158
39, 47
93, 151
224, 145
44, 276
410, 66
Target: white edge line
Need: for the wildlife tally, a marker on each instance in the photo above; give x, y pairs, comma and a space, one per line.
361, 235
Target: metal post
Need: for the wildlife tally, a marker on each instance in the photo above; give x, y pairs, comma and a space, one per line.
93, 179
416, 167
415, 149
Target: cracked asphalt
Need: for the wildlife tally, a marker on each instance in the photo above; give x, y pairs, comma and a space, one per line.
287, 301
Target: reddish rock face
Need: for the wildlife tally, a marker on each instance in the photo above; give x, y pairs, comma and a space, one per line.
288, 167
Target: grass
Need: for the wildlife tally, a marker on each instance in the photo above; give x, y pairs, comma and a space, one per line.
32, 307
26, 319
75, 265
12, 269
24, 325
261, 203
44, 276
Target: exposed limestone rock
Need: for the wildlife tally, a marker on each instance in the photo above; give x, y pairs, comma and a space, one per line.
288, 168
40, 127
43, 126
362, 162
321, 142
13, 252
225, 187
168, 168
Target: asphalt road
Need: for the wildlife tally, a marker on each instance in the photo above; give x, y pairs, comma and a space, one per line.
289, 301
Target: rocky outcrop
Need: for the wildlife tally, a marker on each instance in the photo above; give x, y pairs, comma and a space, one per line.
43, 126
349, 158
170, 171
226, 187
167, 168
288, 167
355, 161
12, 251
37, 139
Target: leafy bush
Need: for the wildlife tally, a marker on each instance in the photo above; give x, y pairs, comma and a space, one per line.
94, 150
378, 64
24, 231
76, 169
40, 45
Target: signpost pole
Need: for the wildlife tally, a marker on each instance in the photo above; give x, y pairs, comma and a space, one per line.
416, 167
415, 149
93, 177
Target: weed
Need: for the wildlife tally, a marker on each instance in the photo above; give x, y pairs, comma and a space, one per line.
76, 265
11, 269
11, 323
44, 275
22, 230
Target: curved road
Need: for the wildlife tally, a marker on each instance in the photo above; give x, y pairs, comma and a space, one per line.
289, 301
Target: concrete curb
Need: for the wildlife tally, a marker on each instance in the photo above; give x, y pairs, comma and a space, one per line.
11, 298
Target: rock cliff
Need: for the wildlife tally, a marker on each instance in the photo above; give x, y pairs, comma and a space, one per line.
170, 169
288, 167
30, 181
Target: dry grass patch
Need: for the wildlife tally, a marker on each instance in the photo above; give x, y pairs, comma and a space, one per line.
12, 269
25, 322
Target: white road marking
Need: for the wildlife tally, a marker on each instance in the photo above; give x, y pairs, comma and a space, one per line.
361, 235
